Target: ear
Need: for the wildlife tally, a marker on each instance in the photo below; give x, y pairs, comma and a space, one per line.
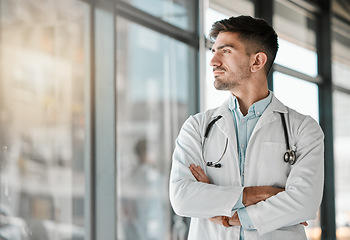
259, 61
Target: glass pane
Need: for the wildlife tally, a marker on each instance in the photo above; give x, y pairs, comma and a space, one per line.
297, 58
231, 8
341, 42
341, 54
296, 29
341, 74
152, 104
43, 75
179, 13
211, 16
213, 98
297, 94
341, 118
295, 24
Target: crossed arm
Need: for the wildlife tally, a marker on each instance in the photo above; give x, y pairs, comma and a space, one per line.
251, 196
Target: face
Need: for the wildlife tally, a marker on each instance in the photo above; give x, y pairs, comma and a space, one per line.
231, 65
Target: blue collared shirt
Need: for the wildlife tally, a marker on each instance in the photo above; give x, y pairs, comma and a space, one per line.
244, 126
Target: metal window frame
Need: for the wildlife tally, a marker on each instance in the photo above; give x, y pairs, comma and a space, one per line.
324, 51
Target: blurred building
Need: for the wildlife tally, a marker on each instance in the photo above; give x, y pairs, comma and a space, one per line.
93, 94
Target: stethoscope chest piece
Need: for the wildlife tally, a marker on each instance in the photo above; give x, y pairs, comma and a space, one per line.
290, 157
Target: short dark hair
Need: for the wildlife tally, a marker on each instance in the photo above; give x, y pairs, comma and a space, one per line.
256, 34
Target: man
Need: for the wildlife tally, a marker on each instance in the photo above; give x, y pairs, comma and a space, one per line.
252, 168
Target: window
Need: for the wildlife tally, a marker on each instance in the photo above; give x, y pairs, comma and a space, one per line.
298, 58
341, 101
297, 94
296, 29
296, 69
179, 12
153, 102
43, 78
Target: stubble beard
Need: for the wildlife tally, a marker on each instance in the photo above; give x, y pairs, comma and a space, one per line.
229, 82
224, 85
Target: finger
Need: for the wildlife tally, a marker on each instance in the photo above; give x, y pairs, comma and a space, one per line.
305, 224
200, 172
195, 173
202, 176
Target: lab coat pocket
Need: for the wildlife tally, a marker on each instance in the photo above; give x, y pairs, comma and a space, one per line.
273, 171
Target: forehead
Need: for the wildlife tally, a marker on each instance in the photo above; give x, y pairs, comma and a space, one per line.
228, 38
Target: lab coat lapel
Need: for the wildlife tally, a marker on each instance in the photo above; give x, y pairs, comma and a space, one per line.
269, 114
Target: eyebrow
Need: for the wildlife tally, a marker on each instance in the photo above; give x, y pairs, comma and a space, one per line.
222, 46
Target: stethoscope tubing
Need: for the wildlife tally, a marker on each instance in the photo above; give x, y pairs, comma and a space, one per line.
288, 157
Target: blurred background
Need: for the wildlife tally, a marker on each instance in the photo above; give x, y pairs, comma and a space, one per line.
93, 94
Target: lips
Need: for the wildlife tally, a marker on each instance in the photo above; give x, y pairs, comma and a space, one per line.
218, 70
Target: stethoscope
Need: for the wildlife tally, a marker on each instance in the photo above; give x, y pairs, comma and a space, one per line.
288, 157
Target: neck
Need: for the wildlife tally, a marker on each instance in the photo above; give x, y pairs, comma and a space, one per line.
250, 95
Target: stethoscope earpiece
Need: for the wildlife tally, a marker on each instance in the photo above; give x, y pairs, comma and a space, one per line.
217, 165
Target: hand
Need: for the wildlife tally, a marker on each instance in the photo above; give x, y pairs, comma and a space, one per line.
305, 224
199, 174
234, 220
216, 220
253, 195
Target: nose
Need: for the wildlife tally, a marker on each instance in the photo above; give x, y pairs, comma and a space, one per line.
215, 61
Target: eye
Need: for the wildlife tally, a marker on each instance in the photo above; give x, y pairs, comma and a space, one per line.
226, 51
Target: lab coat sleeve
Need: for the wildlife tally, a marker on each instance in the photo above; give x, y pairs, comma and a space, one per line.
303, 191
191, 198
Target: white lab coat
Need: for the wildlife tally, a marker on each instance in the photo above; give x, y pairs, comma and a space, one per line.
278, 217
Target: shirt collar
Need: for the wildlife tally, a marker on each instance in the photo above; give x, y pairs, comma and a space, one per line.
257, 108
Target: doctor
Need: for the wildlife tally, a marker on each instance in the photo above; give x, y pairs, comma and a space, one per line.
252, 168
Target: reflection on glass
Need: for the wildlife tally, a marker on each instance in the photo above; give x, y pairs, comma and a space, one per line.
152, 104
179, 13
42, 120
341, 102
297, 94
